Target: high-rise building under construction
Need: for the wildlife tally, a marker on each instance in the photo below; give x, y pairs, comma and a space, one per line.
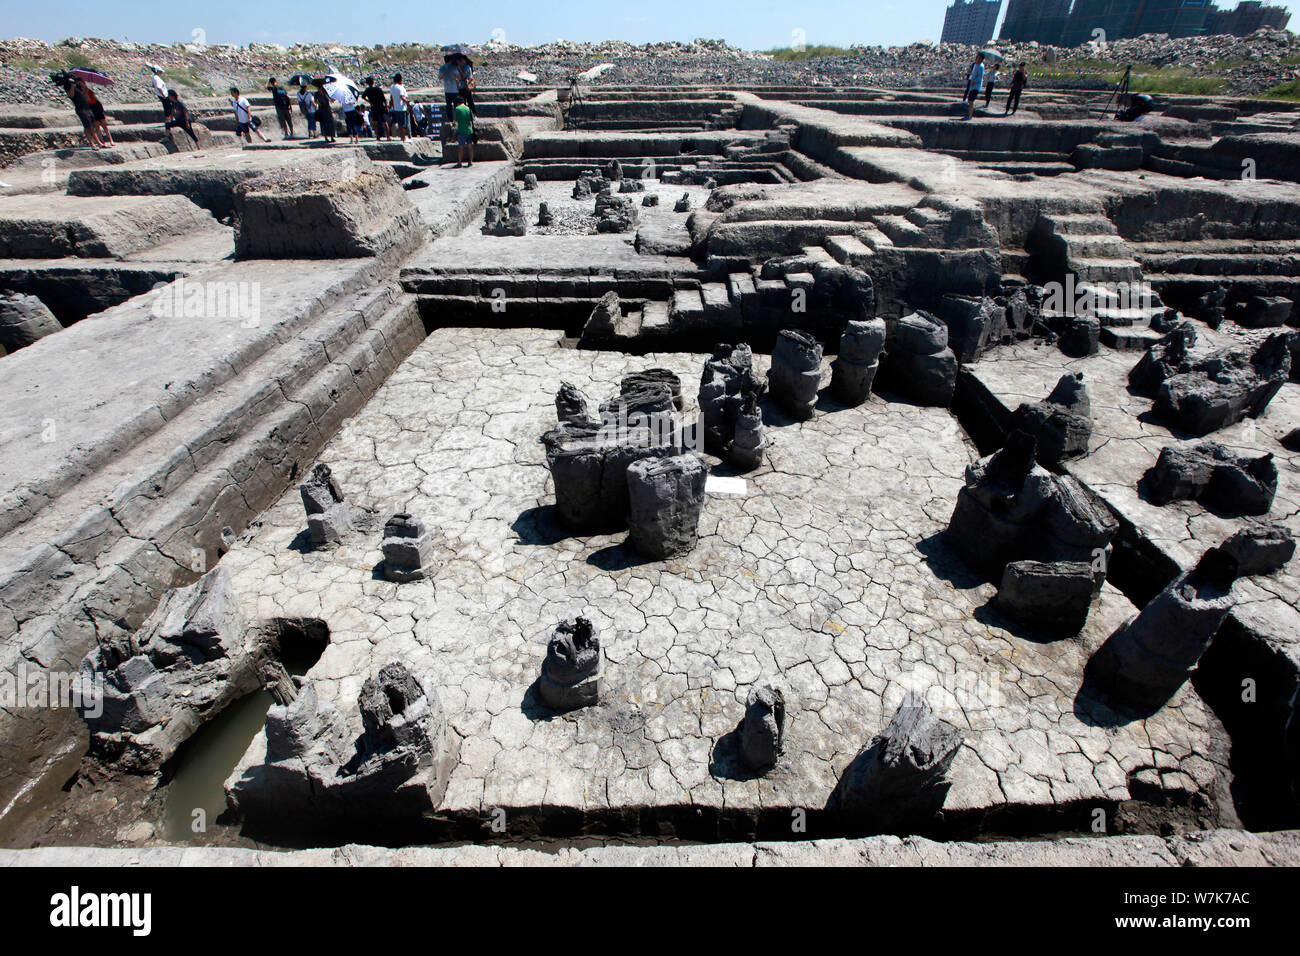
1070, 24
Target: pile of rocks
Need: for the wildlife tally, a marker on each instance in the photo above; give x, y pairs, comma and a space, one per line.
1043, 536
1262, 60
407, 547
1199, 396
590, 183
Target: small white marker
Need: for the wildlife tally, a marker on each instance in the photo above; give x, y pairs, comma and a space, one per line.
719, 485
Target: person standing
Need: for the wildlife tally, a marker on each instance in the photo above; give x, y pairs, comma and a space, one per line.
974, 84
325, 113
399, 103
245, 122
990, 82
449, 73
101, 120
307, 106
464, 133
467, 83
283, 108
342, 94
180, 117
1019, 80
378, 113
76, 90
160, 91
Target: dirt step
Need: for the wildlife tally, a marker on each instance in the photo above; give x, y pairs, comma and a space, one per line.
655, 317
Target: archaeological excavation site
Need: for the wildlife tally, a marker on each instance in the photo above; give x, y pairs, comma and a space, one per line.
709, 473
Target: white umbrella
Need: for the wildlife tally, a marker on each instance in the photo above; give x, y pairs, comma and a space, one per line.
336, 77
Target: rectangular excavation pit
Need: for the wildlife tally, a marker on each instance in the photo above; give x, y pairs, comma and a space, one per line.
815, 577
74, 291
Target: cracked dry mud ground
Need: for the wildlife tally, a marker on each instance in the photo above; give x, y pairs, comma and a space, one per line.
827, 577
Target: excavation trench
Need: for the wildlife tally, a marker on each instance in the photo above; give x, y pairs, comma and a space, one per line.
74, 292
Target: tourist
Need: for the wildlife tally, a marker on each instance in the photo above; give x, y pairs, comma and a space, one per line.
399, 102
283, 108
464, 133
101, 120
1019, 80
467, 83
76, 90
418, 123
325, 113
342, 94
989, 83
449, 73
974, 84
180, 116
160, 91
378, 114
307, 106
245, 122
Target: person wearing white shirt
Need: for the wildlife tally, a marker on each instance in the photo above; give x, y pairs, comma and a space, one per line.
397, 105
341, 94
160, 90
244, 119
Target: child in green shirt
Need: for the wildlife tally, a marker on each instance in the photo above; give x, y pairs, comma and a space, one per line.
464, 132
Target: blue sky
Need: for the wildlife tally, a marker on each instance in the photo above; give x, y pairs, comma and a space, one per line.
753, 24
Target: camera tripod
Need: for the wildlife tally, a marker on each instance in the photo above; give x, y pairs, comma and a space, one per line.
1120, 95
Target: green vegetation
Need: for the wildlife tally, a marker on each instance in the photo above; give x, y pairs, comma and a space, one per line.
1289, 90
1174, 82
72, 60
191, 79
1145, 78
412, 53
809, 52
76, 60
1070, 69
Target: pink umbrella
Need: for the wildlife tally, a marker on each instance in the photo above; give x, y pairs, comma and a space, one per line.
92, 76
